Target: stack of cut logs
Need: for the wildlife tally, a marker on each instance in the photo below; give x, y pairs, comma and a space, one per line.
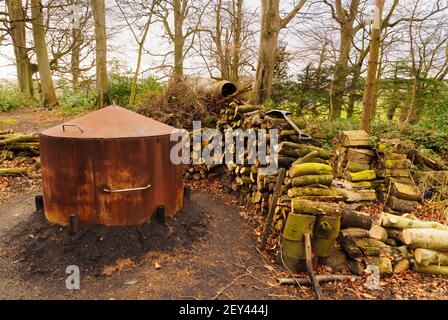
353, 163
23, 148
394, 244
312, 203
403, 196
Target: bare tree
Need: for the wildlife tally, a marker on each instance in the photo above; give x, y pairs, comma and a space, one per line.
271, 24
40, 47
17, 22
99, 16
370, 87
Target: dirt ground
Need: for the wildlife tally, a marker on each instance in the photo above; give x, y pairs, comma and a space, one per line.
208, 251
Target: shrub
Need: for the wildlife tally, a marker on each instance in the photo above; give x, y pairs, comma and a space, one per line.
12, 98
73, 102
120, 89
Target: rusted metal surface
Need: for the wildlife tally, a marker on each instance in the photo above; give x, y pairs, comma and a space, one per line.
109, 176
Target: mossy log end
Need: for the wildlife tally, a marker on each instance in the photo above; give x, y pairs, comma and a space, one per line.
426, 238
382, 263
307, 169
354, 233
312, 180
427, 257
406, 192
297, 225
393, 221
326, 230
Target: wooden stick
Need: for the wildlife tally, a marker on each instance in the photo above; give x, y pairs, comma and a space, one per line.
277, 190
309, 266
319, 278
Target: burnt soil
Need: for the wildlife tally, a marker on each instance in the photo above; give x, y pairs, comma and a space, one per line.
206, 251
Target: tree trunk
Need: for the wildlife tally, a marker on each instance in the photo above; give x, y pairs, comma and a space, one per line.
18, 35
412, 113
341, 71
237, 32
99, 17
40, 45
76, 51
179, 42
372, 70
270, 28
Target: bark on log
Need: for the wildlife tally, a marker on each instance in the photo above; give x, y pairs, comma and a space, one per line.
357, 167
401, 205
362, 176
315, 207
354, 233
395, 234
393, 221
311, 191
308, 169
13, 171
431, 269
426, 257
308, 158
397, 164
312, 180
355, 219
349, 246
426, 238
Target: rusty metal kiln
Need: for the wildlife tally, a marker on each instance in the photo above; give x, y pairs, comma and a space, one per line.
109, 167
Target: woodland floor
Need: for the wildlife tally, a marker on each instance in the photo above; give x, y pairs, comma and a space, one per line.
208, 251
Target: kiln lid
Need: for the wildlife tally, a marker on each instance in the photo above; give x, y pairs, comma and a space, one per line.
110, 122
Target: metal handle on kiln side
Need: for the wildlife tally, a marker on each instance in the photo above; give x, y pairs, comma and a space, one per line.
72, 125
126, 190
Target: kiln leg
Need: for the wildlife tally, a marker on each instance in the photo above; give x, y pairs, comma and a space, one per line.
74, 224
39, 203
187, 191
160, 214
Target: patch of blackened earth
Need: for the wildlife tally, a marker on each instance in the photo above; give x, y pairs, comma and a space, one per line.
35, 248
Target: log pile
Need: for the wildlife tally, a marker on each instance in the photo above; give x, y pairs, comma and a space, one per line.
403, 196
353, 164
394, 244
21, 147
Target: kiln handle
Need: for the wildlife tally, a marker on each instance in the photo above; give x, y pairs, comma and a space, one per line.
126, 190
71, 125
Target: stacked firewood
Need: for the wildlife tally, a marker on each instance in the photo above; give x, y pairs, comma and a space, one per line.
18, 148
403, 196
396, 243
353, 162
